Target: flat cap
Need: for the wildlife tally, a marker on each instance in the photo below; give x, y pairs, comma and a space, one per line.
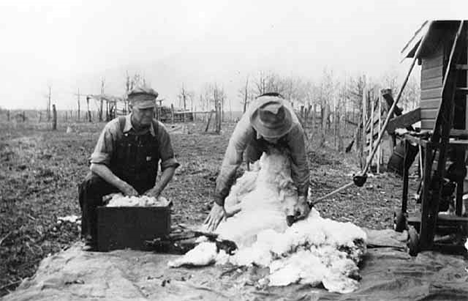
143, 97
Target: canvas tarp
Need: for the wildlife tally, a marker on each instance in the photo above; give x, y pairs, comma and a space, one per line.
388, 273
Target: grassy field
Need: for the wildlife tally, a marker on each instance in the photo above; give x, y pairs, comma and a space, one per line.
41, 170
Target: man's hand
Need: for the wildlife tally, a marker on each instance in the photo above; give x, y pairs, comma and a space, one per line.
303, 208
217, 214
154, 192
107, 198
128, 190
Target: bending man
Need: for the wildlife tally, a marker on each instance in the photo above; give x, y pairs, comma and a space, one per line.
269, 121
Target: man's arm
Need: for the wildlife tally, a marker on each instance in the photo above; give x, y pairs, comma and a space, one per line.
299, 164
299, 170
168, 161
105, 173
232, 159
101, 156
166, 177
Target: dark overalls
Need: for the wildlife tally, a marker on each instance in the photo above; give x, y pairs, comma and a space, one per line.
134, 160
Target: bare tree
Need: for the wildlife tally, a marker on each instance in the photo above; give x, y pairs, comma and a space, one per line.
215, 97
185, 97
260, 85
412, 94
131, 82
294, 89
182, 97
88, 111
354, 90
245, 94
326, 96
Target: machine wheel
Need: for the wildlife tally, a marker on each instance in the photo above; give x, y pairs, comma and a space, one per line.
413, 241
399, 221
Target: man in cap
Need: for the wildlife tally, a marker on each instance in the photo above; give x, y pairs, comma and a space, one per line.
269, 122
126, 159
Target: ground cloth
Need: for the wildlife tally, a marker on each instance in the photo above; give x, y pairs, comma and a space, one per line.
388, 273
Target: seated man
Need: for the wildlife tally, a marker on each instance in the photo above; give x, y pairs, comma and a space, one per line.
126, 160
269, 122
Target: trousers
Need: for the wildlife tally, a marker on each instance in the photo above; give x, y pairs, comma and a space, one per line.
90, 193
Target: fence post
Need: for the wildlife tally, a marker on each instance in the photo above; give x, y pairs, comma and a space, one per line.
372, 121
379, 151
362, 151
54, 120
172, 112
208, 122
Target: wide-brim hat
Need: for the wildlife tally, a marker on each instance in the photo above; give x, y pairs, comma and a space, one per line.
272, 119
143, 97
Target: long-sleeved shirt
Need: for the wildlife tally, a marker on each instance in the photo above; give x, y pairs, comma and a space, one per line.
243, 135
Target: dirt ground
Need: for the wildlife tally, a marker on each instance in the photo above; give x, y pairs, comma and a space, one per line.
41, 170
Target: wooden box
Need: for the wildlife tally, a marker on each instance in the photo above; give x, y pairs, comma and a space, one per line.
130, 227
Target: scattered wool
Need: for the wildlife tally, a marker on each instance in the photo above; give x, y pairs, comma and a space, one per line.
119, 200
203, 254
337, 283
69, 218
222, 258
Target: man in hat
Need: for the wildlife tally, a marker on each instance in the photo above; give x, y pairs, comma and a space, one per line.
126, 159
269, 122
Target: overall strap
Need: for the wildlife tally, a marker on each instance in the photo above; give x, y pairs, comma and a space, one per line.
122, 123
155, 127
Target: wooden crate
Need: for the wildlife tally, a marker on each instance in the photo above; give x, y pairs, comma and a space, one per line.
130, 227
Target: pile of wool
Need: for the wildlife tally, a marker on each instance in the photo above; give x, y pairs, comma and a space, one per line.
312, 251
119, 200
265, 196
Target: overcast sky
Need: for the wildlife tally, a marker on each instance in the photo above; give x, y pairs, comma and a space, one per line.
71, 45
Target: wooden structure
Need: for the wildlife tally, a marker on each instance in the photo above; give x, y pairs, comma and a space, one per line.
171, 115
374, 112
441, 49
433, 60
114, 105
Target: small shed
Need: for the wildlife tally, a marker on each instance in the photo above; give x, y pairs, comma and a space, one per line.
433, 58
440, 47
